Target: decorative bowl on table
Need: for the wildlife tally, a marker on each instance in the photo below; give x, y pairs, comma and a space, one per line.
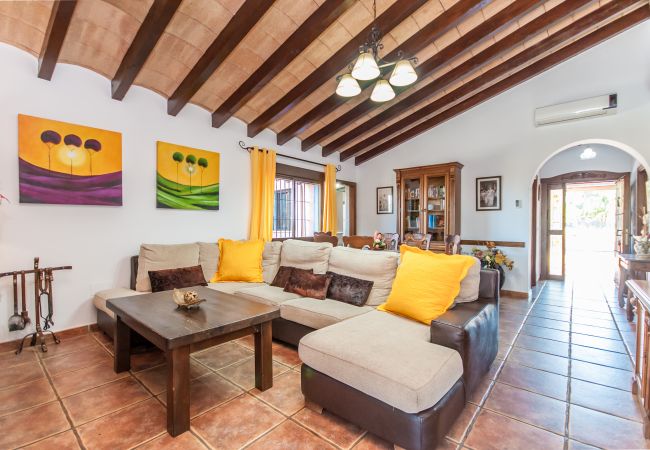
186, 299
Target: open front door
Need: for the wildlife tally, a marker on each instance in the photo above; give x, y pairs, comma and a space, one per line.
622, 216
554, 227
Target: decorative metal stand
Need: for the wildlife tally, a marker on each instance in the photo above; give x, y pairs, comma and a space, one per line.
43, 278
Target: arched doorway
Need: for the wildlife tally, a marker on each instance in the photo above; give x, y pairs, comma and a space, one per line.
586, 205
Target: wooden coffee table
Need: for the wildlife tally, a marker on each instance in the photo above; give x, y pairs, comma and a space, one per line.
221, 318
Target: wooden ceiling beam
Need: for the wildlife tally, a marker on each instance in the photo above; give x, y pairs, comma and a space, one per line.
306, 33
153, 26
389, 19
556, 39
249, 13
418, 41
594, 38
57, 28
429, 67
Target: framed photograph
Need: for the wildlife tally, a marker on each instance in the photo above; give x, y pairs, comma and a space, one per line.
488, 194
385, 200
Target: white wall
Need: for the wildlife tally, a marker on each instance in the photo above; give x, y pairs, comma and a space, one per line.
499, 138
607, 158
97, 241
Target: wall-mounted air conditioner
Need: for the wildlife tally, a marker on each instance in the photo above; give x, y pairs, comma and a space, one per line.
579, 109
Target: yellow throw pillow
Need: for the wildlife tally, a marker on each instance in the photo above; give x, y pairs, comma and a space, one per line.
239, 261
426, 283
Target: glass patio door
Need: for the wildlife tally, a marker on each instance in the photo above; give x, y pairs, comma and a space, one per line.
555, 231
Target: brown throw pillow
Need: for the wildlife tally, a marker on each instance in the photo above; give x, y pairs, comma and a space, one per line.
308, 284
349, 289
168, 279
282, 277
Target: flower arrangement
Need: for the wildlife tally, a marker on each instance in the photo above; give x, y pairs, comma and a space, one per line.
492, 257
378, 242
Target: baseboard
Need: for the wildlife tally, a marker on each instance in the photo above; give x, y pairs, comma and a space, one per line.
62, 334
514, 294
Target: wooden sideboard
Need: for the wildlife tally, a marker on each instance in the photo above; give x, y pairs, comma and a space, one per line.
639, 297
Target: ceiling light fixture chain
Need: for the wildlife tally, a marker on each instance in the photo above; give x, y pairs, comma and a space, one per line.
368, 67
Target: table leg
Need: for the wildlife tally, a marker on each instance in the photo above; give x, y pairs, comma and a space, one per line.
122, 344
178, 390
263, 357
631, 300
622, 277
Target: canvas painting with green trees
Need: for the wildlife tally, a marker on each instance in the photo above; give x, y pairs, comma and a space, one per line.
186, 178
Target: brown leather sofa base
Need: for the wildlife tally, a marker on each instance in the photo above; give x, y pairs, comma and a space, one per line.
417, 431
290, 332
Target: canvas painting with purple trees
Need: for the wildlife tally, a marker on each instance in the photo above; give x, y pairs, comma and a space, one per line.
67, 164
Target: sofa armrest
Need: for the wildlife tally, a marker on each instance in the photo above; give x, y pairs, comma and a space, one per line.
472, 329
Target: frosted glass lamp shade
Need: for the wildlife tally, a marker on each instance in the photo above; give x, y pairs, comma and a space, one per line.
588, 153
403, 74
382, 92
348, 86
365, 68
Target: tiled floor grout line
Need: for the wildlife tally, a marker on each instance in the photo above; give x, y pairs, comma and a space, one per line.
567, 415
618, 329
60, 401
469, 427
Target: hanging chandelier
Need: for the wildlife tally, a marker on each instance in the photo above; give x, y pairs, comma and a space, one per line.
368, 66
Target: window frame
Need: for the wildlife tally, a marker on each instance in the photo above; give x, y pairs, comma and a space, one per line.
302, 175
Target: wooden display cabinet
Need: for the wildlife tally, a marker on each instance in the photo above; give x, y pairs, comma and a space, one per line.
429, 202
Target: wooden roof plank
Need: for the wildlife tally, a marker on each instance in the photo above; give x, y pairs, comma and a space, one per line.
579, 26
153, 26
310, 29
389, 19
486, 29
54, 36
422, 38
236, 29
594, 38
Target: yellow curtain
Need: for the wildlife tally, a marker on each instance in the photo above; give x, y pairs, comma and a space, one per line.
329, 200
263, 185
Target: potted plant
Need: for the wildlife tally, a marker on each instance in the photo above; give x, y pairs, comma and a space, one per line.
494, 258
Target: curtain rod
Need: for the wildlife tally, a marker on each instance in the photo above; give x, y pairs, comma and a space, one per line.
243, 145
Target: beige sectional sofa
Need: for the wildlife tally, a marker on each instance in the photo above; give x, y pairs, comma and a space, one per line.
379, 267
398, 378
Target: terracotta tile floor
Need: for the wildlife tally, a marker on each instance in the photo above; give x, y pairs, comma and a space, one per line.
562, 381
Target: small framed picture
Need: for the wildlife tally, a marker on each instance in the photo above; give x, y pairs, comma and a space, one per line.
385, 200
488, 194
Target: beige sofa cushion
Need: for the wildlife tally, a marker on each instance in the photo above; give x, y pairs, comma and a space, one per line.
100, 298
379, 267
230, 287
305, 255
208, 258
469, 285
271, 260
160, 256
385, 356
317, 314
270, 295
